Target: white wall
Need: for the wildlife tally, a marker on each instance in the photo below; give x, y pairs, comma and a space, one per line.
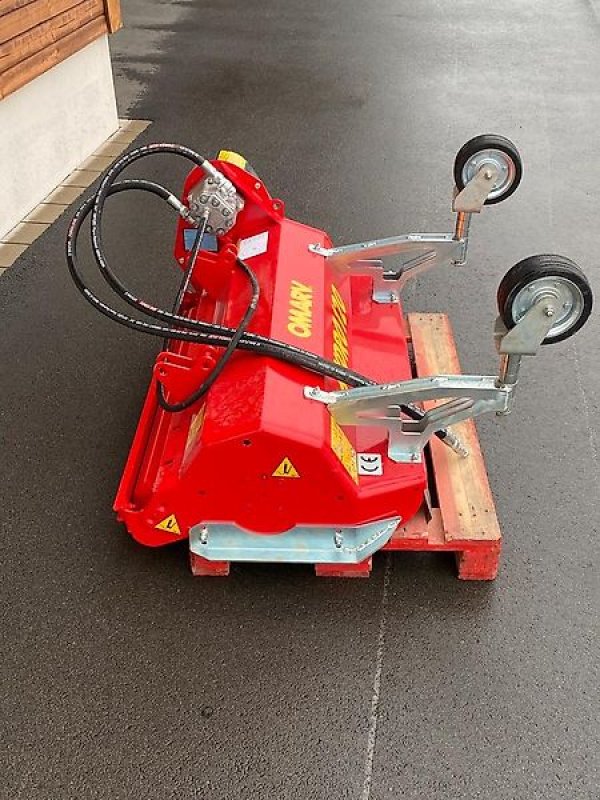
51, 125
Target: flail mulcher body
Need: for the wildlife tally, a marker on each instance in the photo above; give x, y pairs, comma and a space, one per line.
295, 412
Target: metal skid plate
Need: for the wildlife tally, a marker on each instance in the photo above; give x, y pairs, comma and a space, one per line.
303, 544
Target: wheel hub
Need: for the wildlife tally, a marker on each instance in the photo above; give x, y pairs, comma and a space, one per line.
498, 159
564, 299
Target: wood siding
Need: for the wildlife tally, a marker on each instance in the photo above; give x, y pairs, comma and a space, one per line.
35, 35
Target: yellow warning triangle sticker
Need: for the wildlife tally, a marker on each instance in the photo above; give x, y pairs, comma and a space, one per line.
286, 470
169, 524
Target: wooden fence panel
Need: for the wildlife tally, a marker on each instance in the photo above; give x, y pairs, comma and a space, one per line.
35, 35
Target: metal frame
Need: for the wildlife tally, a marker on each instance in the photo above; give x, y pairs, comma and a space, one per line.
418, 251
466, 396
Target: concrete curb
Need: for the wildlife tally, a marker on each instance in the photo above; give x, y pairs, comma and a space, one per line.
17, 240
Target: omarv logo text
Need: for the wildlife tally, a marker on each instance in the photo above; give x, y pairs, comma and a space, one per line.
300, 314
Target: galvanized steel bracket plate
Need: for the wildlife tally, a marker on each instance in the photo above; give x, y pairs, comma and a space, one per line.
528, 334
303, 544
467, 396
472, 198
417, 252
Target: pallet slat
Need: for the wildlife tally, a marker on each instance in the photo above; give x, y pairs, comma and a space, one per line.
464, 520
463, 489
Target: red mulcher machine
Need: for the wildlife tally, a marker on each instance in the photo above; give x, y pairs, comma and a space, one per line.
295, 413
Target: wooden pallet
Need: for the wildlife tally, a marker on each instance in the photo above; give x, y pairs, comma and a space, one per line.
461, 517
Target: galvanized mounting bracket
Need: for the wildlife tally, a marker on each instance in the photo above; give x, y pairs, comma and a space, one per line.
465, 396
418, 251
303, 544
472, 198
363, 257
526, 337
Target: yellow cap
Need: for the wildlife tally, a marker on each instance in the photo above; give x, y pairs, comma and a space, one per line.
232, 158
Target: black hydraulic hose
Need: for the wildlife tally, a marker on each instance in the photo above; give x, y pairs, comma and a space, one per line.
191, 264
227, 354
249, 341
187, 330
216, 335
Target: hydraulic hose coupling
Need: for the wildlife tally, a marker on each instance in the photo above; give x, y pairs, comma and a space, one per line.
215, 198
180, 208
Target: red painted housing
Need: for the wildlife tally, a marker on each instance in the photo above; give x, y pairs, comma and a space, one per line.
255, 451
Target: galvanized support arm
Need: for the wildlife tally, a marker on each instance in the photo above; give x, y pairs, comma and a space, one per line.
467, 396
418, 252
415, 248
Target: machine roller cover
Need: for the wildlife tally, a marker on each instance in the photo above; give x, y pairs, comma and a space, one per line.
256, 453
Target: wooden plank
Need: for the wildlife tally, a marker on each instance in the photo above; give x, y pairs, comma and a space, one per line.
32, 41
31, 68
360, 570
417, 527
465, 498
6, 6
34, 14
112, 9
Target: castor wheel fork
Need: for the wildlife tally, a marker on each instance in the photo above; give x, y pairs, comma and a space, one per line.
487, 170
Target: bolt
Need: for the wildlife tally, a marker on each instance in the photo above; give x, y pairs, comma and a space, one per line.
338, 539
414, 456
566, 306
204, 535
257, 185
488, 174
549, 311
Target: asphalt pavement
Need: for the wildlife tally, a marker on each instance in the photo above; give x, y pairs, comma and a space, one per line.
124, 677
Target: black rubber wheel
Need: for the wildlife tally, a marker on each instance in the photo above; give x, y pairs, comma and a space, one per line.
493, 149
555, 277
